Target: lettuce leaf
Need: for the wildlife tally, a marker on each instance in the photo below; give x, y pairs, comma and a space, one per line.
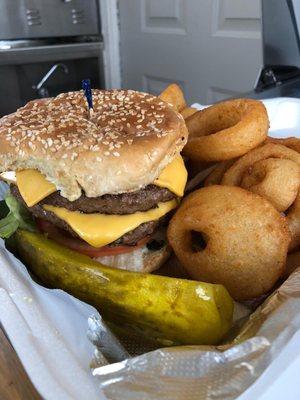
17, 217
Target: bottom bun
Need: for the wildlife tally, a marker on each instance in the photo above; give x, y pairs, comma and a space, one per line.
140, 260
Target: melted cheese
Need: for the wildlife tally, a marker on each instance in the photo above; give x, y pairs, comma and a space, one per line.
33, 186
173, 177
101, 229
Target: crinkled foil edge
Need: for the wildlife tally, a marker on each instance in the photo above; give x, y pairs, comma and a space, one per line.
200, 372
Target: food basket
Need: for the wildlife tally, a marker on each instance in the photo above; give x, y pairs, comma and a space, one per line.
48, 329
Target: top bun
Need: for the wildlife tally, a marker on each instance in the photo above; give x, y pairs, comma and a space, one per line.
121, 146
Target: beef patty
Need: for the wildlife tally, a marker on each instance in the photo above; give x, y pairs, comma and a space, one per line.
129, 239
124, 203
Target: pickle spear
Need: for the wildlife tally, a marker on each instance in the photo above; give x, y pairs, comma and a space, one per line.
169, 311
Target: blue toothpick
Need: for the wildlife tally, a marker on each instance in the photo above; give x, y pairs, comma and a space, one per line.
86, 86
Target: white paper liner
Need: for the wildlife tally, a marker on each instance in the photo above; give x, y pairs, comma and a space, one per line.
48, 331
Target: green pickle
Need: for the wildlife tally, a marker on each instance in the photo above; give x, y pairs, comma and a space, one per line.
167, 310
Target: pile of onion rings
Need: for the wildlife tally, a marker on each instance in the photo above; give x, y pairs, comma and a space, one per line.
239, 229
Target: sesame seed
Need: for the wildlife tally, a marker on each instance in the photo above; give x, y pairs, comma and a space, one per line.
31, 145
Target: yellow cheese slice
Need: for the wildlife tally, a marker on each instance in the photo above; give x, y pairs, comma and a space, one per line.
101, 229
33, 186
173, 177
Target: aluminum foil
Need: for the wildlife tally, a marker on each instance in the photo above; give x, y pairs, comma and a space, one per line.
199, 372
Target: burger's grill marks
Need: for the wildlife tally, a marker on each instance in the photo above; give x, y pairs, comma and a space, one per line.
118, 116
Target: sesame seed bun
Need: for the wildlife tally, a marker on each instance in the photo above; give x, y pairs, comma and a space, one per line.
121, 146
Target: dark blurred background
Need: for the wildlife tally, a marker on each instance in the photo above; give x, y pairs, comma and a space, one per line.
215, 49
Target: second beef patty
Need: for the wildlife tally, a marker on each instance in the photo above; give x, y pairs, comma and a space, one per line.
121, 203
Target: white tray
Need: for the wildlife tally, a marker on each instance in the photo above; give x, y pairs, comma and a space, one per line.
48, 327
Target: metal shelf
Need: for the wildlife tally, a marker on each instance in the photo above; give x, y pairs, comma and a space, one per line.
50, 53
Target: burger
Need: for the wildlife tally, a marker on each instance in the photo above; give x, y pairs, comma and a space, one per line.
100, 181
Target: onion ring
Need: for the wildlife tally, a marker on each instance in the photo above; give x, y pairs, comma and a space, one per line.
215, 177
265, 178
188, 111
291, 142
246, 240
174, 96
226, 130
234, 176
293, 218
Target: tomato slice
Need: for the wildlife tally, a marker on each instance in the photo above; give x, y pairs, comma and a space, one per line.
79, 245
